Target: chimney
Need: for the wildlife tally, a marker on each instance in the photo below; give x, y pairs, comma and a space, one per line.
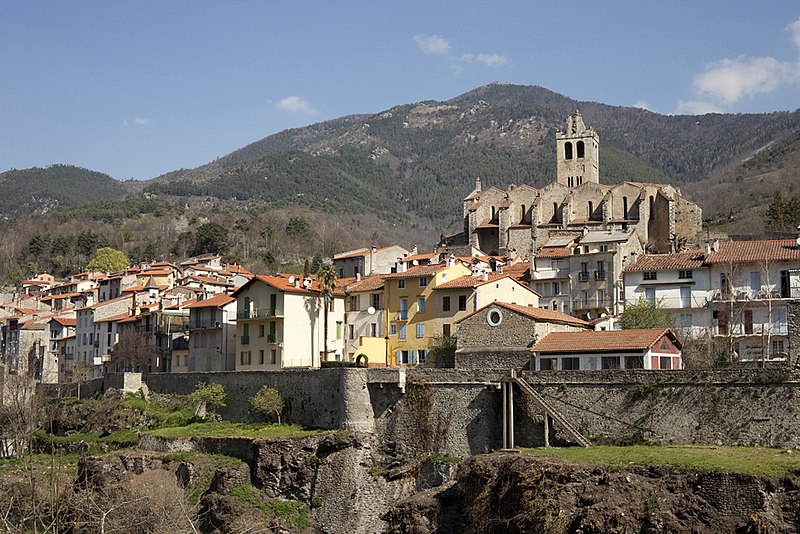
358, 277
485, 276
414, 251
478, 184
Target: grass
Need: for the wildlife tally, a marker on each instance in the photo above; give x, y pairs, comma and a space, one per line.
288, 512
179, 415
224, 429
692, 458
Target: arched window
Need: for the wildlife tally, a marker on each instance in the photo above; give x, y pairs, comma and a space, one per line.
522, 220
652, 203
567, 150
556, 218
580, 150
569, 181
494, 213
591, 209
624, 207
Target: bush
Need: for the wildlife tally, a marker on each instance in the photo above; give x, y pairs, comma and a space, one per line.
207, 397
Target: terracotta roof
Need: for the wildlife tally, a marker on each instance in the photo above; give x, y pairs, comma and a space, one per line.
554, 252
65, 321
487, 223
538, 314
368, 283
470, 280
424, 257
418, 270
218, 300
103, 303
691, 259
34, 325
758, 251
281, 283
602, 340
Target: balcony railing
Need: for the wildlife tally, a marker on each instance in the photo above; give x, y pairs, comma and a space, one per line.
259, 313
590, 304
599, 275
584, 276
245, 340
196, 325
272, 338
545, 274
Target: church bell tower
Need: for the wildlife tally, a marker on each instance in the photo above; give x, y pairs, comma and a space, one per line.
577, 153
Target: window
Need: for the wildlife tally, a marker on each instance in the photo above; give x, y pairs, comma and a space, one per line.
245, 334
609, 362
446, 329
261, 330
601, 298
570, 364
273, 356
567, 150
420, 304
556, 289
580, 149
650, 295
422, 356
338, 330
402, 357
494, 318
203, 339
393, 329
376, 301
401, 284
354, 303
261, 356
665, 362
403, 312
351, 334
548, 364
685, 275
686, 297
244, 357
423, 281
755, 284
634, 362
272, 329
462, 303
402, 332
420, 330
373, 329
445, 303
649, 275
748, 321
686, 320
777, 346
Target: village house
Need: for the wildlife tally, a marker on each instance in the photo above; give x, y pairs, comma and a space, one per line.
280, 323
212, 336
679, 283
651, 349
62, 348
367, 261
500, 335
365, 319
751, 285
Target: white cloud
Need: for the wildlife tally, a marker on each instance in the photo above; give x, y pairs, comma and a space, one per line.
432, 44
492, 60
296, 104
142, 121
729, 80
696, 107
794, 28
641, 104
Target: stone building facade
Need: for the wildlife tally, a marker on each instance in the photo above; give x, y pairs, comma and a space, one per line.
517, 221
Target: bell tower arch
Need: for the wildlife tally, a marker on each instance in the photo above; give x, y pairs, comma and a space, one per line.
577, 153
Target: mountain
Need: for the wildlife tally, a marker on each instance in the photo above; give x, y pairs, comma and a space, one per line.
38, 190
423, 158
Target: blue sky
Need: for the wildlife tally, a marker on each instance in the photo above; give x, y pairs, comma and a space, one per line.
136, 89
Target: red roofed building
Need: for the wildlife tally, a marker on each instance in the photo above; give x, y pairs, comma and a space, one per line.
367, 261
212, 336
652, 349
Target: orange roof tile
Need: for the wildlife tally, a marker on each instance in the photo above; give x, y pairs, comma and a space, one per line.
368, 283
419, 270
691, 259
471, 280
217, 301
66, 321
602, 340
281, 283
758, 251
538, 314
554, 252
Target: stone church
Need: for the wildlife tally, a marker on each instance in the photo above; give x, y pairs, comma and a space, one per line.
519, 220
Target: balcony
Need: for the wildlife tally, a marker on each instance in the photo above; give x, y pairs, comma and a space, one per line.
245, 340
259, 313
546, 274
590, 304
584, 276
272, 338
599, 275
200, 325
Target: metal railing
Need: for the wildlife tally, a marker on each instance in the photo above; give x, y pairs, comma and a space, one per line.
258, 313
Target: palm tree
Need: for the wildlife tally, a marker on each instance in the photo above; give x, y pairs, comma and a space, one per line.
326, 276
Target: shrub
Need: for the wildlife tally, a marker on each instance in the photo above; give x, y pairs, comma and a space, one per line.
268, 401
207, 397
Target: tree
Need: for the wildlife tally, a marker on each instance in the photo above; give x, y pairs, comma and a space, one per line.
208, 397
316, 263
327, 283
268, 401
211, 238
297, 225
645, 314
442, 351
108, 260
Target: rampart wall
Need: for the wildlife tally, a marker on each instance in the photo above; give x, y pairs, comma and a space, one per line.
460, 411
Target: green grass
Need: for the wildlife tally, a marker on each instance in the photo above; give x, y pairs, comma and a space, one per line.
179, 415
288, 512
693, 458
224, 429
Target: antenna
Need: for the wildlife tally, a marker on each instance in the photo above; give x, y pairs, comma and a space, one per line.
291, 280
306, 283
371, 310
590, 315
414, 262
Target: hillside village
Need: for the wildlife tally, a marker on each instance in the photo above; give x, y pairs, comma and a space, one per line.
537, 279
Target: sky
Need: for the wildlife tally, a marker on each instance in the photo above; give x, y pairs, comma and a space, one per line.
139, 88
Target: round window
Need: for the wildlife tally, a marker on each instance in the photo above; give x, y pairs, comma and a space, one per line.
494, 318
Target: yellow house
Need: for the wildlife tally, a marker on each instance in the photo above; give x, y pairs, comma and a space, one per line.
410, 315
279, 323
